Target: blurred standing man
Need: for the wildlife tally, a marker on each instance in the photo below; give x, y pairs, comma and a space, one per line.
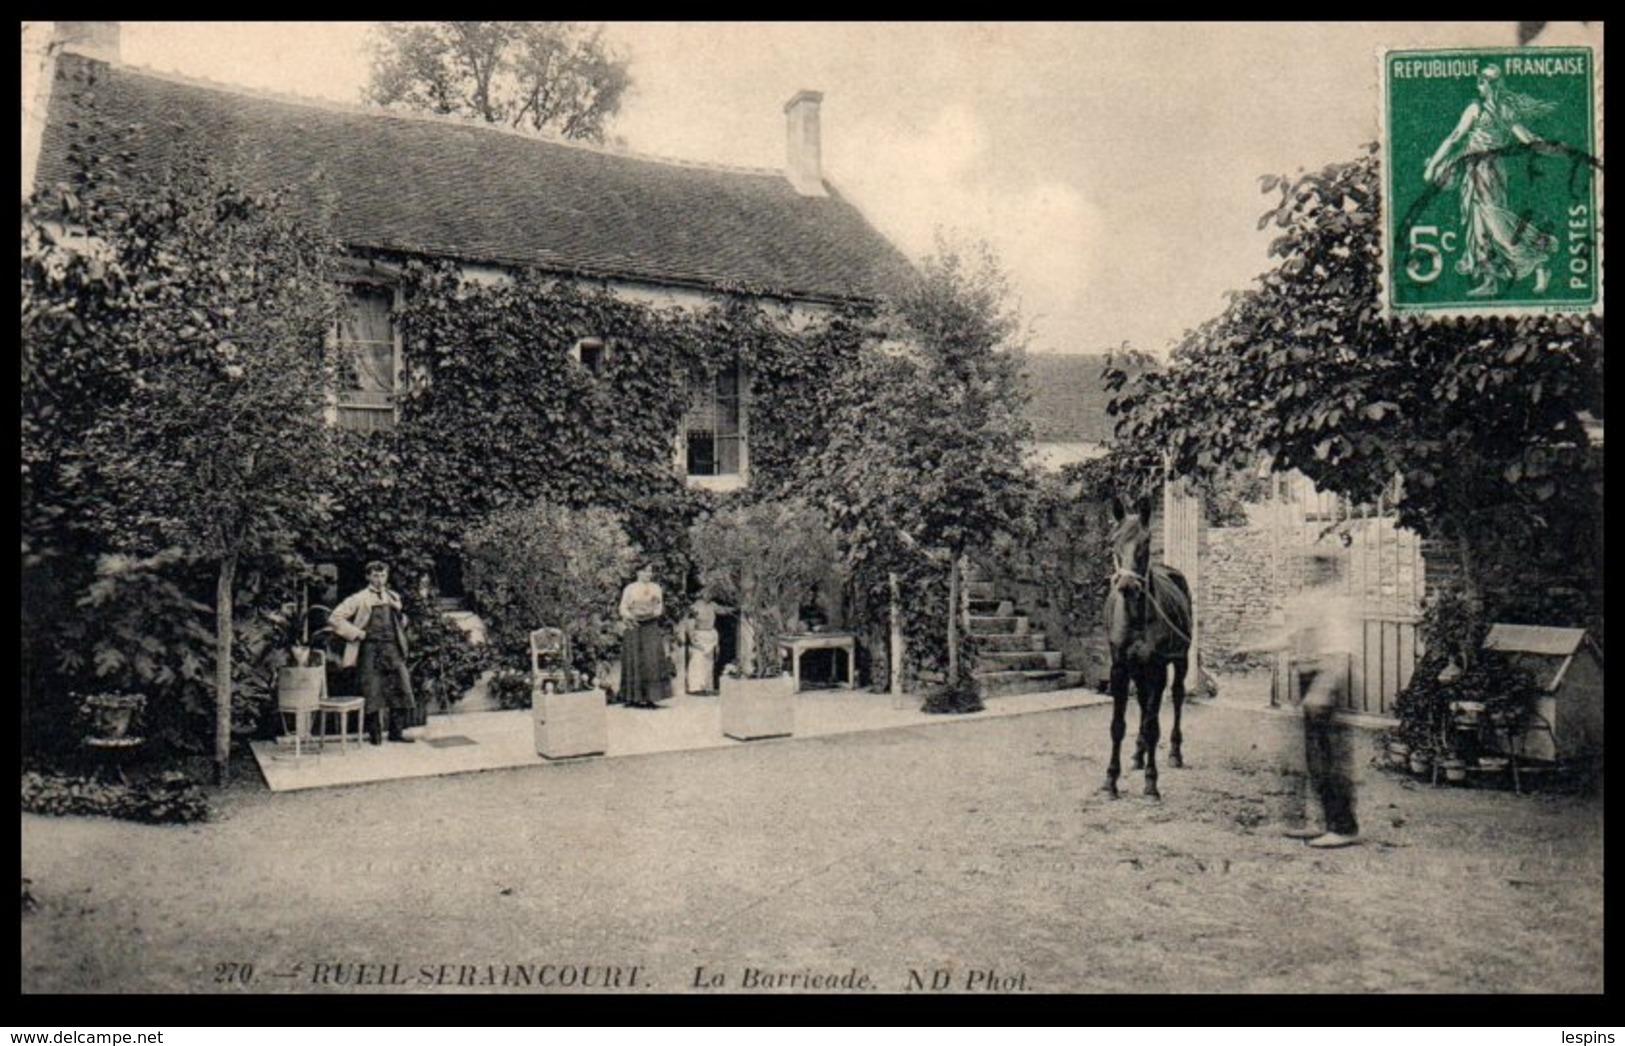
1322, 631
375, 630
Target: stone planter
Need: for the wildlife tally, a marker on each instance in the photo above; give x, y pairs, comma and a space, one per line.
571, 724
756, 708
108, 717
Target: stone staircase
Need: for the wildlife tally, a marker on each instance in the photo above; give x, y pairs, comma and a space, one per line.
1011, 658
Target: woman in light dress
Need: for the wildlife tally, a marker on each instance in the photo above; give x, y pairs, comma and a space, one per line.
702, 644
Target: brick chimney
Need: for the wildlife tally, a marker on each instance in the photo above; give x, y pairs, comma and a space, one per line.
97, 40
804, 167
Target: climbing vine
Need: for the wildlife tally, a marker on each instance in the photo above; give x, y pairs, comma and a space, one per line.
496, 412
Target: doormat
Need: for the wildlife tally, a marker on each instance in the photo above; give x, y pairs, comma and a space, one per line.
449, 742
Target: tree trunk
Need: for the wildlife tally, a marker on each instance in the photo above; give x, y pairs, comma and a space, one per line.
223, 613
953, 619
1471, 587
896, 636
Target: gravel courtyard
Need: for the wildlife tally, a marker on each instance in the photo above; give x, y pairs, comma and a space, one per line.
972, 855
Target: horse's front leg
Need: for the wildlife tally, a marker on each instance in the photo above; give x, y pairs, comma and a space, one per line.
1119, 692
1175, 757
1139, 734
1151, 681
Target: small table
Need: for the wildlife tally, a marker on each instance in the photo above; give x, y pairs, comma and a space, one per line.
798, 645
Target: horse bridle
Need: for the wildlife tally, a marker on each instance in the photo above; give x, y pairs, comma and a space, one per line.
1144, 583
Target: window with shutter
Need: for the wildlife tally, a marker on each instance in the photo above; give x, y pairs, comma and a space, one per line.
371, 359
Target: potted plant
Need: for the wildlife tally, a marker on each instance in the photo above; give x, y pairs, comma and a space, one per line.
761, 558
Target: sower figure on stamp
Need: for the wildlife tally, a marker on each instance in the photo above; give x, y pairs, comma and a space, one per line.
1501, 246
1322, 630
374, 629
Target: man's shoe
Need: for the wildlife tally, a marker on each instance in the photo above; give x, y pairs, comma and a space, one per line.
402, 739
1306, 832
1333, 840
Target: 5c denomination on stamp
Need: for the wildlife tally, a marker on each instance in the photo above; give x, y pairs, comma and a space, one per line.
1491, 181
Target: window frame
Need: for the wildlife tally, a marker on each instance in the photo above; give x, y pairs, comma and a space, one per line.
722, 481
592, 354
338, 406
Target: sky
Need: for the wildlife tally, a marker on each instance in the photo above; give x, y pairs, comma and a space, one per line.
1113, 167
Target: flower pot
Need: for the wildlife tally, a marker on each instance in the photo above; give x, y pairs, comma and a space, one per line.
756, 708
300, 689
1455, 770
1493, 763
1420, 763
1399, 755
111, 715
570, 724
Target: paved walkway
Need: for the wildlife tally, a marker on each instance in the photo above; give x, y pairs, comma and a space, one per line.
468, 741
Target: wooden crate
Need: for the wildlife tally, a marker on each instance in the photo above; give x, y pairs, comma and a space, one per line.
570, 725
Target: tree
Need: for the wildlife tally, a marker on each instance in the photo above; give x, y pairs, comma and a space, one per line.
925, 458
174, 380
560, 77
1477, 419
763, 558
543, 565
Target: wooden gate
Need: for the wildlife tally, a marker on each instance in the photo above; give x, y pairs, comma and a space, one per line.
1182, 549
1383, 570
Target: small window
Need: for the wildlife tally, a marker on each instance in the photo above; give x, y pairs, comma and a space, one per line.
713, 436
591, 353
371, 367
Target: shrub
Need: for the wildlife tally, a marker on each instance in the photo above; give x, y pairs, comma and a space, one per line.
958, 698
549, 565
445, 662
170, 798
510, 688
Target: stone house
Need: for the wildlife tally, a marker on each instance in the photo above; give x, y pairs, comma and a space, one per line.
494, 201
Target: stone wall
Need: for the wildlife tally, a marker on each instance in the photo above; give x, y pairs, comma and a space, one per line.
1239, 582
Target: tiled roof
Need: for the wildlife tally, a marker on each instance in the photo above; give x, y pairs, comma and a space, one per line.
1069, 399
454, 188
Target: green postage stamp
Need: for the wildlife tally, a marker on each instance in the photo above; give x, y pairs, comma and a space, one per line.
1491, 181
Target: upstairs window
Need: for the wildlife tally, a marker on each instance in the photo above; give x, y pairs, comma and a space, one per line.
370, 368
591, 353
712, 444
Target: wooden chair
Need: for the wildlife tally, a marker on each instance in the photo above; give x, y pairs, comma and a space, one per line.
300, 691
549, 659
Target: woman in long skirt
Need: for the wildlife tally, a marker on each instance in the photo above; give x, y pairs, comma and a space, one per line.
645, 666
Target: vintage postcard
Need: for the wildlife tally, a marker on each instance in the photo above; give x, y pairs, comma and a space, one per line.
976, 509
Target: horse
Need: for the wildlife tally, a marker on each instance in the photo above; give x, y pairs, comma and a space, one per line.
1148, 627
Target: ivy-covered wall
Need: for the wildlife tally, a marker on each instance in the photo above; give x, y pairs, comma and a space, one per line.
494, 410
